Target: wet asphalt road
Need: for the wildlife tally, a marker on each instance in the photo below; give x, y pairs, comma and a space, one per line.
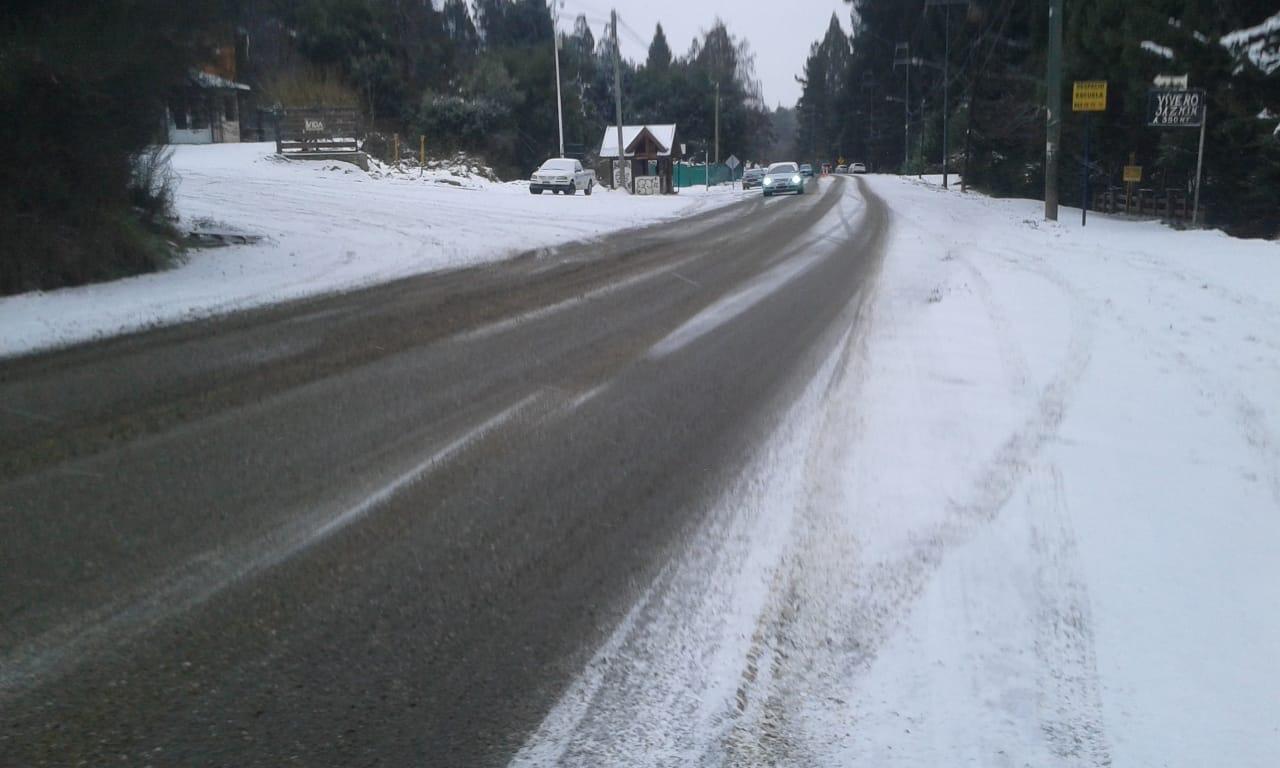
388, 527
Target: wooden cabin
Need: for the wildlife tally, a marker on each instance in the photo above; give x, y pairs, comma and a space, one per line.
649, 152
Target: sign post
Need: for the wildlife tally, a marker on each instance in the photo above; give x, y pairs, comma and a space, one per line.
1195, 204
1087, 96
1186, 108
733, 164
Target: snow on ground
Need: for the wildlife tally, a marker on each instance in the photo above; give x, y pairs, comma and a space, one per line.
1027, 514
326, 227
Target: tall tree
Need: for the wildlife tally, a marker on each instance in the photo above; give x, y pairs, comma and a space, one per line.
659, 59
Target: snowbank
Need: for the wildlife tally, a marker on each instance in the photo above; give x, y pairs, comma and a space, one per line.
1084, 499
325, 227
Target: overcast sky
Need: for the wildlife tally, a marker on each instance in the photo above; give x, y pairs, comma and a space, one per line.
780, 31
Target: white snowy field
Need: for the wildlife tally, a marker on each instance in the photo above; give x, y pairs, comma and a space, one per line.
1027, 514
326, 227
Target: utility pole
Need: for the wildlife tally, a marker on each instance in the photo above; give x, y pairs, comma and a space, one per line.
1053, 109
902, 56
906, 119
555, 39
617, 99
946, 90
920, 168
717, 122
946, 79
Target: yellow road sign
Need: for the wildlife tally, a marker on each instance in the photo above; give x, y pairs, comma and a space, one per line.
1089, 96
1132, 173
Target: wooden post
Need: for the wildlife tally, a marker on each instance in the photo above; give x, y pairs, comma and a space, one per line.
1195, 206
395, 152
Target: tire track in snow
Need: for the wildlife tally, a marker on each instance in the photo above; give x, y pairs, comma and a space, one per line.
1071, 719
833, 611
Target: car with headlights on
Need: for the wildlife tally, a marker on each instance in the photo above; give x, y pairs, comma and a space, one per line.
752, 177
782, 178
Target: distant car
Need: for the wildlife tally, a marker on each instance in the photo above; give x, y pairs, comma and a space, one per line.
857, 168
842, 169
752, 178
562, 175
806, 171
783, 177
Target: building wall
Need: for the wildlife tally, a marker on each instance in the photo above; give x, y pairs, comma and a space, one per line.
203, 117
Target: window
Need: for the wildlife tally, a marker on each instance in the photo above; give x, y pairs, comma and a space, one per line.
229, 108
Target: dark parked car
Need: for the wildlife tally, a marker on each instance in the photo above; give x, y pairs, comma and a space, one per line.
752, 177
806, 171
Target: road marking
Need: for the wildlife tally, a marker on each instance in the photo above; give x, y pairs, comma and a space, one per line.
413, 475
726, 308
29, 415
499, 326
60, 649
587, 396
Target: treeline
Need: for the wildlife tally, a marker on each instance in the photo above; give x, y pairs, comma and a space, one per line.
481, 77
855, 86
85, 194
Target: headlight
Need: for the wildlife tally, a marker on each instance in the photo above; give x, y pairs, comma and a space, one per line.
796, 179
767, 181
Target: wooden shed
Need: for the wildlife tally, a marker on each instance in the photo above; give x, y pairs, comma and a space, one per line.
649, 151
205, 111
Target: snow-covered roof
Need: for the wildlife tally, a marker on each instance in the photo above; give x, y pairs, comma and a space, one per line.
210, 80
1160, 50
665, 135
1260, 43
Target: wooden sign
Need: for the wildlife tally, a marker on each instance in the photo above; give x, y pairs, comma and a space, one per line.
1132, 173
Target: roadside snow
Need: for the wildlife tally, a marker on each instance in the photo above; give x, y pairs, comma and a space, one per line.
326, 227
1026, 515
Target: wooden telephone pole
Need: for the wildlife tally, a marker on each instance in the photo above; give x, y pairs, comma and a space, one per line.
1053, 112
617, 100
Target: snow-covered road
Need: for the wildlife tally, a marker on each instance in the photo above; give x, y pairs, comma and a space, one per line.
1027, 514
326, 227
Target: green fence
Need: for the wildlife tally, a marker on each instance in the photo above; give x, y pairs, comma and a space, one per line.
691, 175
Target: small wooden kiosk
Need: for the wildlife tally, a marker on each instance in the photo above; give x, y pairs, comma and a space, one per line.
649, 151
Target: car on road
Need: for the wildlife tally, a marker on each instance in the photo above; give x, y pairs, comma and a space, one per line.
562, 175
842, 169
806, 171
857, 168
783, 177
752, 177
